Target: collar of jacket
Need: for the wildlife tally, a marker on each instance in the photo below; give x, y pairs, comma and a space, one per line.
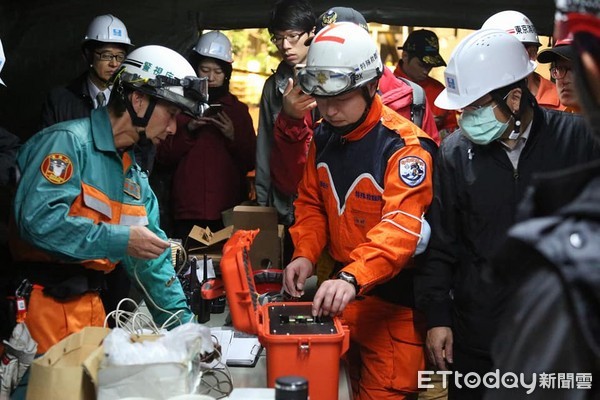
373, 118
102, 130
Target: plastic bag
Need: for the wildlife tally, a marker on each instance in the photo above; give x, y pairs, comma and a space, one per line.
180, 345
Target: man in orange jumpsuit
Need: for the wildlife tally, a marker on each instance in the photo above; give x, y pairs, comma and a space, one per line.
364, 191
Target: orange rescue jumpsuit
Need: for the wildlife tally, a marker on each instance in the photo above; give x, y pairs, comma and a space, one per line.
362, 197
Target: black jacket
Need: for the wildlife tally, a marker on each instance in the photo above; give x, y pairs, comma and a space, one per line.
476, 193
552, 319
69, 102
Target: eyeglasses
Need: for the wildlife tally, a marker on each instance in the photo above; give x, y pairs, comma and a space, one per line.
108, 56
559, 71
323, 81
479, 107
292, 38
486, 104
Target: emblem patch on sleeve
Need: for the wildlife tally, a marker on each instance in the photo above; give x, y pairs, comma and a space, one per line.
57, 168
412, 170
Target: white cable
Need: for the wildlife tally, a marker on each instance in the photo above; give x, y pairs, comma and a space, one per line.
170, 321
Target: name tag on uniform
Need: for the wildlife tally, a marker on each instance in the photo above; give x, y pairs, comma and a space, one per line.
132, 189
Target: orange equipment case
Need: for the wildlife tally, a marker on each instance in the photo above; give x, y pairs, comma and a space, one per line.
296, 344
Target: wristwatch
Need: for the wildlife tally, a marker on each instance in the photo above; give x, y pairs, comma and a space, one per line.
348, 277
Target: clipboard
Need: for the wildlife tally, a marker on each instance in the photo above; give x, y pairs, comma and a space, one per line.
243, 352
238, 349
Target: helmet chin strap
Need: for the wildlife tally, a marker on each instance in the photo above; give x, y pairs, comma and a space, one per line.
516, 116
143, 121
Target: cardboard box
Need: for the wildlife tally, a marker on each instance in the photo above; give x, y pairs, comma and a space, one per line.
268, 245
202, 241
267, 248
59, 373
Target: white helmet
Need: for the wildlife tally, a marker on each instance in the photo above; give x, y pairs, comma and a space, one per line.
165, 74
341, 57
216, 45
107, 29
484, 61
515, 23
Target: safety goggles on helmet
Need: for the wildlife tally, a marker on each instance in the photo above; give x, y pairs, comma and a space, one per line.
332, 81
194, 101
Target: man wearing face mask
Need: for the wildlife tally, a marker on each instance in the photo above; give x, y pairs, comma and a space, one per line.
482, 173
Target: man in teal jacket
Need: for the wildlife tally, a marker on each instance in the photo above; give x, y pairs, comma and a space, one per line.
83, 204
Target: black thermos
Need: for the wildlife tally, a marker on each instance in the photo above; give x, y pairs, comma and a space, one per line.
291, 388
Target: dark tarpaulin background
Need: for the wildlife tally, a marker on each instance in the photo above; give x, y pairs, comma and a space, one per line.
42, 38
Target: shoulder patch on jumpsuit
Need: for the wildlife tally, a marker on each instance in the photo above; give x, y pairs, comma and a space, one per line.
412, 170
57, 168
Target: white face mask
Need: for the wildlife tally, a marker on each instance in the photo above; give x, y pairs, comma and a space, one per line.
480, 126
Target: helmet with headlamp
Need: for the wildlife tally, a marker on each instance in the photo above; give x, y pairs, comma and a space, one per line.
164, 74
341, 57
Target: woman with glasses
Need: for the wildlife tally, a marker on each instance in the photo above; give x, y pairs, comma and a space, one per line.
482, 174
292, 23
561, 70
210, 155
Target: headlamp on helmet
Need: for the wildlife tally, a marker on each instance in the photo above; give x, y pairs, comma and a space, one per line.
194, 101
164, 74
